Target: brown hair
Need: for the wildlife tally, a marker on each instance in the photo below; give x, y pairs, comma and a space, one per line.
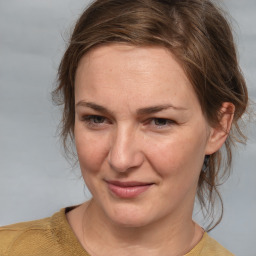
199, 36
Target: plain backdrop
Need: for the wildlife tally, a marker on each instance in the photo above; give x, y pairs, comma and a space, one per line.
35, 179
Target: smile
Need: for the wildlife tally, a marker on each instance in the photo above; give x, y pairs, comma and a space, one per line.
128, 189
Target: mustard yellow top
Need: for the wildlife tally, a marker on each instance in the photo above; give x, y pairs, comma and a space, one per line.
53, 236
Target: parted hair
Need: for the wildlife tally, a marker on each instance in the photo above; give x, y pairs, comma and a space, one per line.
198, 34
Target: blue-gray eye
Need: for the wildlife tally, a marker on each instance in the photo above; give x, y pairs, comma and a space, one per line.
94, 119
161, 121
97, 119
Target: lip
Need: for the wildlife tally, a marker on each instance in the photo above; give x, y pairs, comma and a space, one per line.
128, 189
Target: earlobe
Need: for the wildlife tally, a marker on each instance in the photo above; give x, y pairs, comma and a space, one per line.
219, 133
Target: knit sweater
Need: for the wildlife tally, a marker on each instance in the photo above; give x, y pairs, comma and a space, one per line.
53, 236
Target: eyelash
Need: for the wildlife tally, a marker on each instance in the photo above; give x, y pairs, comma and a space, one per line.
90, 121
168, 122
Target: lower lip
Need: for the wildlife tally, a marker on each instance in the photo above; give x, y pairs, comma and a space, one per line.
128, 192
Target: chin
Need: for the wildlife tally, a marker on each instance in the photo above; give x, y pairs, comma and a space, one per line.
129, 216
130, 221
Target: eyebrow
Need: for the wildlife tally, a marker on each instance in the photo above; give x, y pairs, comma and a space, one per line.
158, 108
93, 106
141, 111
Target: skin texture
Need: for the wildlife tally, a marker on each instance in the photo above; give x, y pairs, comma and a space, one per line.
138, 119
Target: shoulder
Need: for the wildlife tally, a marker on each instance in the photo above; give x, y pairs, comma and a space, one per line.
213, 247
26, 237
208, 246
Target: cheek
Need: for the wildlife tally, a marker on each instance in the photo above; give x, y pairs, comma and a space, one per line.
179, 155
91, 151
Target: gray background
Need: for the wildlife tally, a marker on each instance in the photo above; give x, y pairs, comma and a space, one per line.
35, 180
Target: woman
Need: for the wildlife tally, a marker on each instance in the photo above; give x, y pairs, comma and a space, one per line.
151, 91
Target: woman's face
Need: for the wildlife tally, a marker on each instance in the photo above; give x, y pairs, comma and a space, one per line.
140, 134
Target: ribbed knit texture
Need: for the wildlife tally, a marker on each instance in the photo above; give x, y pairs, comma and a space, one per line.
53, 236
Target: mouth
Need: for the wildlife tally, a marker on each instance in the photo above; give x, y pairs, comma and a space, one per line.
129, 189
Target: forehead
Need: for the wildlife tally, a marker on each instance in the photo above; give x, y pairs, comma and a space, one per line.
151, 74
130, 58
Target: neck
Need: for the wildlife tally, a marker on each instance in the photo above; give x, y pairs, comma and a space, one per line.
172, 235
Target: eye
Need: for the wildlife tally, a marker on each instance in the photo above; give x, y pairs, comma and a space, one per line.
94, 121
160, 123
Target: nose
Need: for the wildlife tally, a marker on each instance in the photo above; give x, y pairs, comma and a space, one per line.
125, 151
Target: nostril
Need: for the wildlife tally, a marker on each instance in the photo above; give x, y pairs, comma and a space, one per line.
122, 162
125, 150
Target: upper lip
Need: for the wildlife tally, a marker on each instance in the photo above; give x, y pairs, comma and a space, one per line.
128, 183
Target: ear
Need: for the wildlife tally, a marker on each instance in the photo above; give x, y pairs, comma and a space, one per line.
219, 133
